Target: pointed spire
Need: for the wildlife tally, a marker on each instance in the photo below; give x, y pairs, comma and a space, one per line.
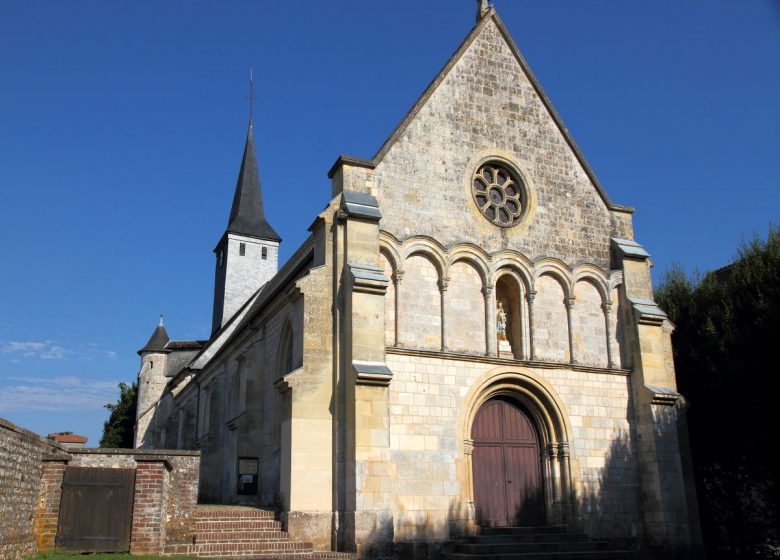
158, 340
247, 216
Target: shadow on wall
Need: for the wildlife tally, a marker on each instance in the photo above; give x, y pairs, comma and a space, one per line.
418, 536
605, 508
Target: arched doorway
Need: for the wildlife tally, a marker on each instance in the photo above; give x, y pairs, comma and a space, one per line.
506, 464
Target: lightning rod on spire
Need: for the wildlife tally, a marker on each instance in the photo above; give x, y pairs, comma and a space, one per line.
251, 96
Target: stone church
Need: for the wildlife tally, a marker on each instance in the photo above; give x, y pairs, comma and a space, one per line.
466, 339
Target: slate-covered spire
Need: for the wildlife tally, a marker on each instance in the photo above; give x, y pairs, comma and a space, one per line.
158, 339
247, 216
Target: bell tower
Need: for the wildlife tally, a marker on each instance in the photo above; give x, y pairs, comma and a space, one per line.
247, 255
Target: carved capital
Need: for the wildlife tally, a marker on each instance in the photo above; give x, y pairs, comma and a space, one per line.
487, 291
606, 307
569, 302
563, 450
398, 276
468, 446
530, 296
444, 283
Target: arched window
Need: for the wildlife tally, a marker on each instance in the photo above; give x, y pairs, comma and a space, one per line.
238, 390
286, 362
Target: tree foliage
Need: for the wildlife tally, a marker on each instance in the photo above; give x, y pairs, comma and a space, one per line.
727, 323
118, 429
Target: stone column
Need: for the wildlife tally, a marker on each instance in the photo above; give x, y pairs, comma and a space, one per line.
468, 451
398, 277
530, 296
607, 307
491, 337
147, 535
554, 480
444, 283
49, 497
565, 474
569, 302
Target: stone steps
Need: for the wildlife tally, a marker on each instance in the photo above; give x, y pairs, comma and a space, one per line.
239, 549
534, 543
238, 525
239, 532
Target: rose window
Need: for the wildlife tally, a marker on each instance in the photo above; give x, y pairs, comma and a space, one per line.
499, 194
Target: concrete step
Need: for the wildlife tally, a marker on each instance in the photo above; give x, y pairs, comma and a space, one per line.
529, 538
507, 548
579, 555
537, 530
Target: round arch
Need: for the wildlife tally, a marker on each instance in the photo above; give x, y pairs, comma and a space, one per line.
546, 411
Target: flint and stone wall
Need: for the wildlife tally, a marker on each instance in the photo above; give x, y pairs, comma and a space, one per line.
21, 467
31, 475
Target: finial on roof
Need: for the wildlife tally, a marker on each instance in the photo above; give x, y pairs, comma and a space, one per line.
251, 97
158, 340
483, 7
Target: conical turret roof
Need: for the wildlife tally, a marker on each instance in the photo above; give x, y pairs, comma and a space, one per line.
247, 216
157, 341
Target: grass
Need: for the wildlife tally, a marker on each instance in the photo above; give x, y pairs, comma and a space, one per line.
59, 555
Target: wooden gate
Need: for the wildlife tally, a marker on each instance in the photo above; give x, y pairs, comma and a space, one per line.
507, 466
96, 511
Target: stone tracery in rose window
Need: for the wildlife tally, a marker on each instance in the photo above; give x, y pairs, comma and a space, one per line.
499, 194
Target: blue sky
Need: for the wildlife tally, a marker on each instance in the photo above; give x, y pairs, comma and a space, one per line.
122, 126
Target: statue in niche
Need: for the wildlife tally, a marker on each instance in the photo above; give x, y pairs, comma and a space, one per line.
501, 322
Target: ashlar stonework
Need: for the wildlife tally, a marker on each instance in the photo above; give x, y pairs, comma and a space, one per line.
341, 389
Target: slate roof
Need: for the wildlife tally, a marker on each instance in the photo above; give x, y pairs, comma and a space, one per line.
247, 216
157, 341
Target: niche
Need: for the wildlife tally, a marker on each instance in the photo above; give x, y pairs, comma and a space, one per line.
509, 299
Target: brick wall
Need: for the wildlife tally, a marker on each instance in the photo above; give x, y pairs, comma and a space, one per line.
165, 496
21, 473
31, 474
48, 511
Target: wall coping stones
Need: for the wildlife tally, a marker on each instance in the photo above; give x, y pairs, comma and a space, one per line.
648, 312
142, 454
360, 205
630, 248
372, 373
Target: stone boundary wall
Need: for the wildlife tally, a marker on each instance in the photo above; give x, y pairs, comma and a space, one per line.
21, 466
31, 474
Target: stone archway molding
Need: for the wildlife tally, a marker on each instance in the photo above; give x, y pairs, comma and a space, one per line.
555, 431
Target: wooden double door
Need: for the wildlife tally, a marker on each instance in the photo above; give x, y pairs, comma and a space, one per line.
506, 464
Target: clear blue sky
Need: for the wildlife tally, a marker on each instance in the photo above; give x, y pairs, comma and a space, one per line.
122, 126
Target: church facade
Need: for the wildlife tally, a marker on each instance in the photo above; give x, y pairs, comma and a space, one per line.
467, 338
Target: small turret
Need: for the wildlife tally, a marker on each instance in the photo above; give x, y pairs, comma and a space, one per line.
151, 381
